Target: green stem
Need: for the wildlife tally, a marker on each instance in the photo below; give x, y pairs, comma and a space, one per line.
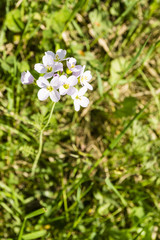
41, 141
22, 230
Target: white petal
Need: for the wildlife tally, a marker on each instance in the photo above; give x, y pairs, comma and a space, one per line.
77, 74
76, 105
72, 61
27, 78
54, 95
50, 53
68, 65
42, 82
48, 60
88, 75
82, 70
39, 67
48, 75
72, 80
63, 79
84, 101
77, 69
82, 91
58, 67
75, 94
61, 53
55, 82
87, 85
71, 91
43, 94
62, 90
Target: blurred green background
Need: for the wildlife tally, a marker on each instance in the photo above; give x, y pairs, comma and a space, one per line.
98, 176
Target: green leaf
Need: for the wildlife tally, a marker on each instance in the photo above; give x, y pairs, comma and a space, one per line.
100, 22
30, 215
23, 66
110, 185
35, 213
34, 235
58, 20
13, 21
128, 107
118, 65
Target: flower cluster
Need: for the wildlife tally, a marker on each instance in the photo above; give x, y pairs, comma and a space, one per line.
58, 77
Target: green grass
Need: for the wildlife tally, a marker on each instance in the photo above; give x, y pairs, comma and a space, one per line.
98, 174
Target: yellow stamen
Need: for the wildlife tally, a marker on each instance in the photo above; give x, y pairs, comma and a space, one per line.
50, 88
49, 69
57, 58
77, 97
66, 86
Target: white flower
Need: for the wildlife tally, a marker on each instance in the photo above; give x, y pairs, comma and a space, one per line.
76, 69
59, 56
67, 85
48, 89
85, 77
49, 67
79, 99
27, 78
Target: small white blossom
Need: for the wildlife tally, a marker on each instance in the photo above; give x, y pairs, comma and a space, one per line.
27, 78
49, 67
79, 99
48, 89
56, 81
76, 69
85, 77
67, 85
59, 56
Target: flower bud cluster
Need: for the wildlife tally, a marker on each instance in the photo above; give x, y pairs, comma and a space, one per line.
58, 77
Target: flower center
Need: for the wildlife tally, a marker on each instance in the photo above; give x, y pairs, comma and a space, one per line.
50, 88
49, 69
78, 98
83, 78
72, 66
66, 86
57, 57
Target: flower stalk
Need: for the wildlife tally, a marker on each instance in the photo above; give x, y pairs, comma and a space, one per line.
41, 141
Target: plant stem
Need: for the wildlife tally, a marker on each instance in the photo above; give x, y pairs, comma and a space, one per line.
41, 141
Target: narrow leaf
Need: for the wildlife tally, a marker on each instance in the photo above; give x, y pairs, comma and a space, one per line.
110, 185
34, 235
35, 213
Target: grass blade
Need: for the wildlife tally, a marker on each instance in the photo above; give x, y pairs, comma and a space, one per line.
30, 215
35, 213
110, 186
77, 7
134, 59
126, 12
34, 235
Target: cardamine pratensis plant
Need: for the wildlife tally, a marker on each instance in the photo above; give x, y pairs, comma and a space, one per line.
59, 76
